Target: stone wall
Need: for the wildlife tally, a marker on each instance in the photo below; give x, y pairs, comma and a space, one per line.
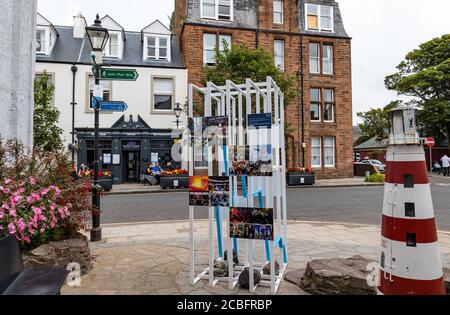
17, 59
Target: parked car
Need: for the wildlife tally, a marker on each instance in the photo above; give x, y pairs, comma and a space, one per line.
381, 167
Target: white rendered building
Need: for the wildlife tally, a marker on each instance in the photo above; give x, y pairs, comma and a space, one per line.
141, 134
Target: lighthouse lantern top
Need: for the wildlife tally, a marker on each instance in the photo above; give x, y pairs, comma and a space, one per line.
403, 125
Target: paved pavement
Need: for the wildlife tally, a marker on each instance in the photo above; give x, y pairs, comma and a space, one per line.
337, 204
152, 258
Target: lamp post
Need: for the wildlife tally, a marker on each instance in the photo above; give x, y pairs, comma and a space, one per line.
98, 37
178, 110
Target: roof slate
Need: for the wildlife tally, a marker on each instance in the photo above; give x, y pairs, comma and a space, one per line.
73, 50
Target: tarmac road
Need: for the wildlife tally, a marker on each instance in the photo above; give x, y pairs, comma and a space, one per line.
343, 204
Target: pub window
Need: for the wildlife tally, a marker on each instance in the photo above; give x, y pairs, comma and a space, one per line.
163, 94
410, 209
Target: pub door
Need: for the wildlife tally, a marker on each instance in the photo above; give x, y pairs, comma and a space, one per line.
132, 161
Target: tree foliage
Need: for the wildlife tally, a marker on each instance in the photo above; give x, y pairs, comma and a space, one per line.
374, 122
425, 75
46, 133
241, 62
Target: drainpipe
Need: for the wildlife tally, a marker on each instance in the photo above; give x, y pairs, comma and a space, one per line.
302, 100
74, 73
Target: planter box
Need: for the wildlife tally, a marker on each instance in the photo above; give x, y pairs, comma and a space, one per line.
298, 179
174, 181
106, 183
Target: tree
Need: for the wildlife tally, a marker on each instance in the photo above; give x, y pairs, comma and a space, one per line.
46, 133
425, 75
375, 122
241, 62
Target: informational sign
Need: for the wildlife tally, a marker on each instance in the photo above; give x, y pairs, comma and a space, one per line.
251, 223
260, 121
113, 106
119, 74
154, 157
107, 158
97, 95
116, 159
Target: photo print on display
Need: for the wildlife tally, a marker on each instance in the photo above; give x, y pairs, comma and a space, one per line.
199, 191
219, 191
251, 223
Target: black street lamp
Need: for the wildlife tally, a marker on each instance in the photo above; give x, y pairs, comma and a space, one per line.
178, 110
98, 37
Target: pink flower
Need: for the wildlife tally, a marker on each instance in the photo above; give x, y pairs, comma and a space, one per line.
15, 200
12, 228
35, 196
12, 212
32, 181
37, 211
8, 181
44, 191
30, 200
27, 239
21, 225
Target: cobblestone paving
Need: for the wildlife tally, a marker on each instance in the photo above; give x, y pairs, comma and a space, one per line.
153, 258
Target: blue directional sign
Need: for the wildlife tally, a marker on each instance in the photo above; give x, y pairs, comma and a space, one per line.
95, 101
113, 106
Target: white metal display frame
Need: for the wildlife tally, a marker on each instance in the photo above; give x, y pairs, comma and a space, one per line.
237, 101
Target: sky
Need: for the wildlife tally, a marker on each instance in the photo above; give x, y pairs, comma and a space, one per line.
383, 32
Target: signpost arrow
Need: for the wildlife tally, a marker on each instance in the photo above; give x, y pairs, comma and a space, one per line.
113, 106
119, 74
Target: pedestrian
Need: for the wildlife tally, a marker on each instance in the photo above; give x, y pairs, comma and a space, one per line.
437, 168
446, 165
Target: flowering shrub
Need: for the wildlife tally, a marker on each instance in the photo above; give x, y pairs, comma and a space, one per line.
303, 170
175, 172
89, 174
39, 200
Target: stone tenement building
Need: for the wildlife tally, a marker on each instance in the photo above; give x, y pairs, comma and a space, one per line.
308, 40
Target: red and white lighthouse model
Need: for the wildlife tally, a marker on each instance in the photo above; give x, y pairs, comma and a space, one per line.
410, 260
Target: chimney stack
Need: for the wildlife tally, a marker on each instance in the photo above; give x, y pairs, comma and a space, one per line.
79, 26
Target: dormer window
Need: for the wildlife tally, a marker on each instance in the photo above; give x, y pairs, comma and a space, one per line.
156, 41
319, 18
157, 47
217, 9
41, 42
46, 34
113, 48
